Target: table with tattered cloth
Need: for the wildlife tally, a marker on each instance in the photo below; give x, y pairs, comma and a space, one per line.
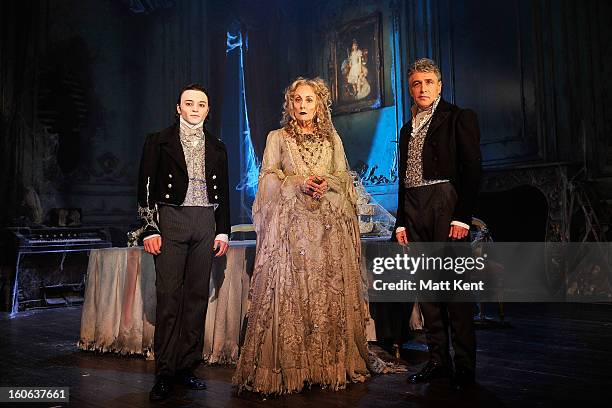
119, 308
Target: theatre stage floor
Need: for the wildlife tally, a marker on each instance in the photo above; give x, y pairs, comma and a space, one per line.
551, 355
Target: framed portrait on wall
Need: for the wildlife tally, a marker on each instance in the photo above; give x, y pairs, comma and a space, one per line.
356, 66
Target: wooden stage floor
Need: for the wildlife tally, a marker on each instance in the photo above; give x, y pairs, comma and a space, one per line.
551, 355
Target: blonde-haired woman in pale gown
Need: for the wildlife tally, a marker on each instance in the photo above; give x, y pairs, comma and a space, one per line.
308, 312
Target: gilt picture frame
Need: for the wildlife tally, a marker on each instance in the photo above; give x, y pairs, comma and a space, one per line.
357, 66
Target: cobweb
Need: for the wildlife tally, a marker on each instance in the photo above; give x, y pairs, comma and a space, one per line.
374, 219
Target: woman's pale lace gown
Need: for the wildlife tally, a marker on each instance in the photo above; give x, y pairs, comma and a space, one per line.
306, 322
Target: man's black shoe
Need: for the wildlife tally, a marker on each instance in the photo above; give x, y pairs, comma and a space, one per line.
189, 380
162, 389
431, 371
462, 380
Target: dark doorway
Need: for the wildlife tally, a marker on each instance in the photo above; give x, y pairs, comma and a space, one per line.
515, 215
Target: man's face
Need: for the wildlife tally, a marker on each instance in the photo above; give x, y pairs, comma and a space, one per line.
304, 103
193, 107
424, 88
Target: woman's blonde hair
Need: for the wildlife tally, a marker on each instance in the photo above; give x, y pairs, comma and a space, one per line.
323, 126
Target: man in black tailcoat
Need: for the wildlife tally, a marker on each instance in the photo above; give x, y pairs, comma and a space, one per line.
439, 171
183, 199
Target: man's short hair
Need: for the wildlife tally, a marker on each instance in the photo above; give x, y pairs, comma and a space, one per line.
192, 87
425, 65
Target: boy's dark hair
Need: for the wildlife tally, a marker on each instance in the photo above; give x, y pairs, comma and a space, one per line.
192, 87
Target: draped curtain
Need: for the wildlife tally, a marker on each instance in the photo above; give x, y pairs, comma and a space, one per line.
18, 62
277, 52
264, 83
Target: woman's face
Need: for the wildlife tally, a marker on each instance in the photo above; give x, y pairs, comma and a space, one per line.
304, 103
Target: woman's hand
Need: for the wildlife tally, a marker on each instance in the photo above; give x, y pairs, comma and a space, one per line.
322, 188
315, 187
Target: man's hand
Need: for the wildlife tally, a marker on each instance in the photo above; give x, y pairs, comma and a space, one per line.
153, 245
457, 232
220, 247
402, 237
